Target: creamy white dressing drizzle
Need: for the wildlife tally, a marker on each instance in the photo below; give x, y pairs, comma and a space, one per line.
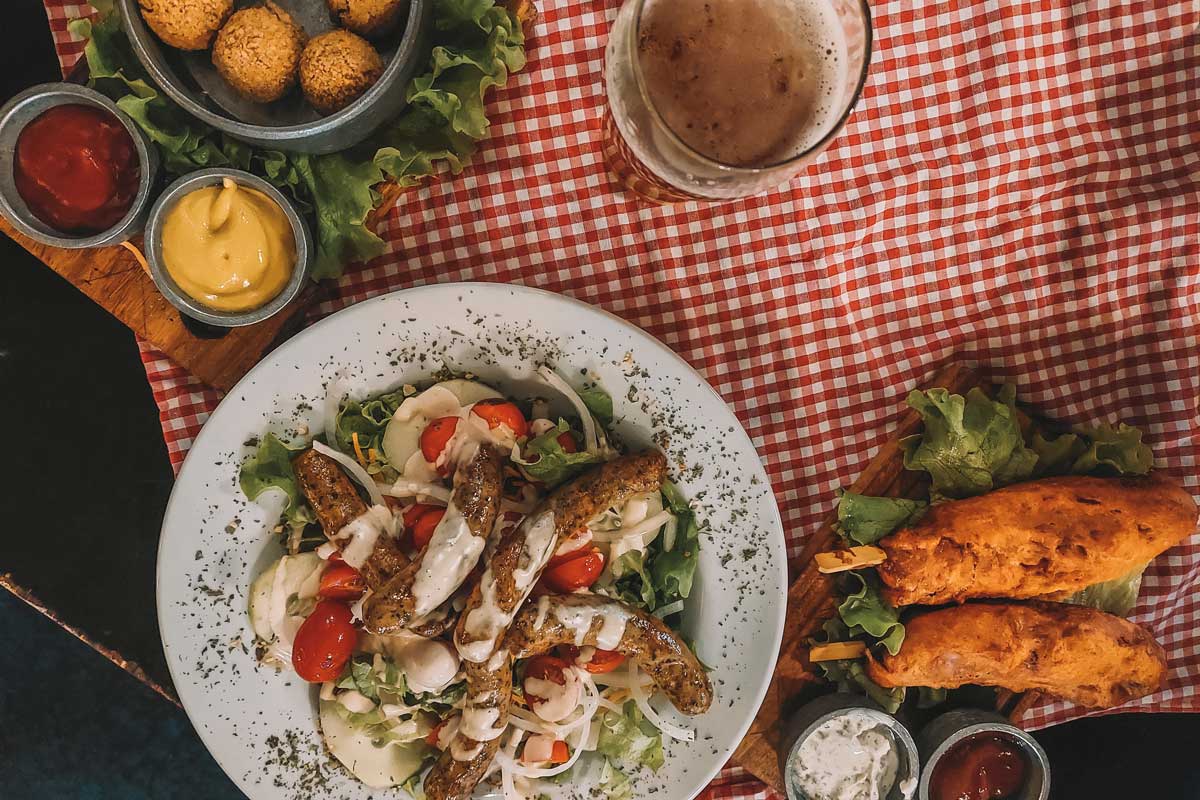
450, 556
581, 618
543, 606
358, 537
849, 757
480, 723
462, 753
487, 621
554, 702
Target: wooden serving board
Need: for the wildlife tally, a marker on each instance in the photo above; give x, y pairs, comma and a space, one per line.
114, 279
811, 599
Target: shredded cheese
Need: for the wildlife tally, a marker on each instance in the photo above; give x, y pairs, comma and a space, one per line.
836, 651
358, 453
851, 558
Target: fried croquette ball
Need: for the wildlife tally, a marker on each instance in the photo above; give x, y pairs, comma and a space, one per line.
186, 24
336, 68
370, 18
258, 52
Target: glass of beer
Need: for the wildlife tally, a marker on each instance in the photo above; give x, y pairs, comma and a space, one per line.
719, 99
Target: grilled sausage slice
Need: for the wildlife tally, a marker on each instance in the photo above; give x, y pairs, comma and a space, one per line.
485, 715
336, 503
1080, 654
579, 619
1047, 538
602, 622
412, 594
522, 553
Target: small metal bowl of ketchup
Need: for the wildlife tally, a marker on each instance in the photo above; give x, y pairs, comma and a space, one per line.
75, 170
969, 754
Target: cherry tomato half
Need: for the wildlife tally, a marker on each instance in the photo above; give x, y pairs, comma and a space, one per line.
340, 581
415, 512
436, 436
602, 661
580, 548
547, 668
578, 573
423, 530
324, 642
502, 412
566, 440
431, 738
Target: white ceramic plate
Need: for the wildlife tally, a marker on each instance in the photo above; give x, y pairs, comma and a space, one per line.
261, 725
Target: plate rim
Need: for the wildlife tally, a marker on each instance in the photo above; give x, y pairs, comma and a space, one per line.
781, 571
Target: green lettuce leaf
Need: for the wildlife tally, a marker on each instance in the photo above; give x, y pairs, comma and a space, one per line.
866, 612
271, 468
369, 419
866, 520
849, 675
1101, 449
599, 402
633, 584
1117, 596
475, 45
970, 444
613, 783
549, 463
628, 739
673, 571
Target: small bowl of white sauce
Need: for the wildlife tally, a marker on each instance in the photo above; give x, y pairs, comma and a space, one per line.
840, 747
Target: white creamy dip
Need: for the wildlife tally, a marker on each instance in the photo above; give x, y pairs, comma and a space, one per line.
849, 757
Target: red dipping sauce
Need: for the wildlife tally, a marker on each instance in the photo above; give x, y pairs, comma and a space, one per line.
986, 766
77, 169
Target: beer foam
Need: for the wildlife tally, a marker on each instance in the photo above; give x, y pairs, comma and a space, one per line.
747, 83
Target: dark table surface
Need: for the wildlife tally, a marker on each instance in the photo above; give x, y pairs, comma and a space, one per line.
89, 479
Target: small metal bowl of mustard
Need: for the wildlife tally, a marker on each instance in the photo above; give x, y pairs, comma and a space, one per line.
975, 753
844, 746
227, 248
75, 170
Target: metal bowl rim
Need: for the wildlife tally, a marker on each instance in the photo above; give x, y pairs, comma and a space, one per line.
283, 134
182, 301
903, 738
73, 93
1039, 761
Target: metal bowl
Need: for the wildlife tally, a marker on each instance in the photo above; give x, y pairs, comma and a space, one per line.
816, 713
950, 728
183, 301
191, 80
28, 106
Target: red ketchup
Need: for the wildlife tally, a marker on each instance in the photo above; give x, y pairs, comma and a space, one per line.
77, 169
982, 767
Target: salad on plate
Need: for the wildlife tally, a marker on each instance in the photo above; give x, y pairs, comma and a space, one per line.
483, 592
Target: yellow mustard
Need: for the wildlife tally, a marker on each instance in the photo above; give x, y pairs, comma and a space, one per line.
229, 247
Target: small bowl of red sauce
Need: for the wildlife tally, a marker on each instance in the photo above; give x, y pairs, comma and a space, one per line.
75, 171
977, 755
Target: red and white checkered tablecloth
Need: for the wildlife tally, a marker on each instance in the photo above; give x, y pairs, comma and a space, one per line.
1018, 188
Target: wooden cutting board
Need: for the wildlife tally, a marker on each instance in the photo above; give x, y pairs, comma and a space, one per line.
811, 599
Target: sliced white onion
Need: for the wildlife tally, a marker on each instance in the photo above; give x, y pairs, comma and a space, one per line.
355, 470
591, 441
339, 390
669, 609
406, 488
655, 719
588, 703
669, 532
646, 530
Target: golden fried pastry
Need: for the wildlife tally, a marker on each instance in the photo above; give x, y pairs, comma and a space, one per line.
1046, 538
1079, 654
